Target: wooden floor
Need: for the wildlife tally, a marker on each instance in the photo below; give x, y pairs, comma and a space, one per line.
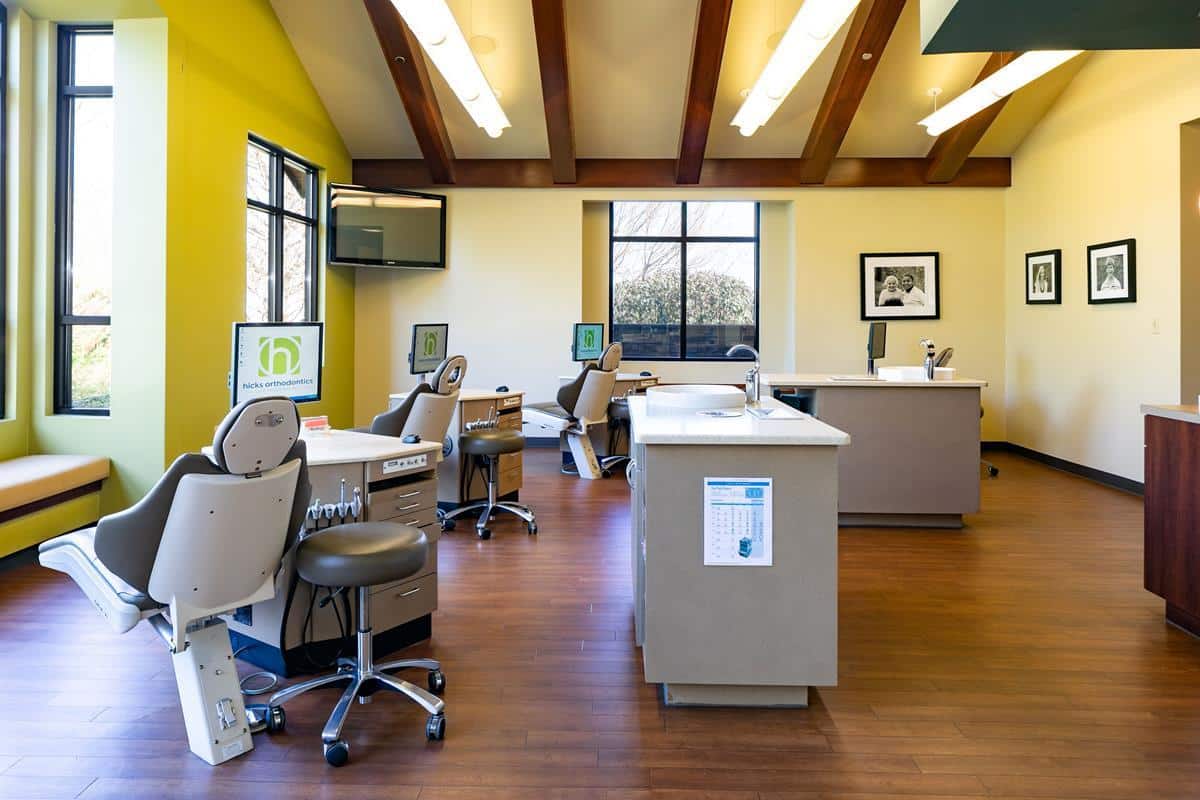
1018, 658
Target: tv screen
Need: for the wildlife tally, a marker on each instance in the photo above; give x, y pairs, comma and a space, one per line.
386, 227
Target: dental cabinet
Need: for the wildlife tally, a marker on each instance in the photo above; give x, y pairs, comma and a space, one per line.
746, 631
475, 406
915, 456
395, 482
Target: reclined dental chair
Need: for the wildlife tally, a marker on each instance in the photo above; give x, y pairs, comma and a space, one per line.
427, 410
208, 538
581, 403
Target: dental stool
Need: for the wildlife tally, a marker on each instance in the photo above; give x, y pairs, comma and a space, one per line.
361, 555
618, 424
488, 445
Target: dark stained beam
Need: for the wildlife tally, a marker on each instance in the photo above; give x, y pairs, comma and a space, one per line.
712, 24
651, 173
407, 65
952, 149
869, 32
550, 31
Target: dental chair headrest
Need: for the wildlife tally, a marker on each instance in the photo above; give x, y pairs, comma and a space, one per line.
610, 359
256, 435
449, 375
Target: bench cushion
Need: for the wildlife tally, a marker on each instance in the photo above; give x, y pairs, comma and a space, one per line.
28, 479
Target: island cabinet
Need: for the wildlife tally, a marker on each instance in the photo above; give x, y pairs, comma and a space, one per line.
731, 609
1172, 511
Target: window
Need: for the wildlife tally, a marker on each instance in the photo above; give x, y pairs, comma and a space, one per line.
281, 236
84, 208
683, 279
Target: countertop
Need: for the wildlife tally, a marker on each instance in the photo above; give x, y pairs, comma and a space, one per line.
690, 427
812, 381
466, 395
621, 376
1187, 413
348, 447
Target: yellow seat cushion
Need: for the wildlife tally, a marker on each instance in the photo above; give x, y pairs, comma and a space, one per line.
31, 478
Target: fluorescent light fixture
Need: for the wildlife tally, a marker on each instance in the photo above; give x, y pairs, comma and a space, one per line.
994, 87
809, 33
433, 23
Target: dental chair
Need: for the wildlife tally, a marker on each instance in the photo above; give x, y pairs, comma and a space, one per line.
207, 539
427, 410
581, 403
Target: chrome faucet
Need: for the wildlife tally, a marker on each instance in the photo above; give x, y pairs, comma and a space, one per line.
930, 355
751, 374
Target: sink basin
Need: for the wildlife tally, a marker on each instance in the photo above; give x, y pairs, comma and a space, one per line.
695, 397
913, 373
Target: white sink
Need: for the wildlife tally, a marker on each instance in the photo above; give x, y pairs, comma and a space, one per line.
913, 373
695, 397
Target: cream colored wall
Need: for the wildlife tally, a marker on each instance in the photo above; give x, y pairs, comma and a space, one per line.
1102, 165
540, 259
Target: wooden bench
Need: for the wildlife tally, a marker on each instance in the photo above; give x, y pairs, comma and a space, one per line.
44, 496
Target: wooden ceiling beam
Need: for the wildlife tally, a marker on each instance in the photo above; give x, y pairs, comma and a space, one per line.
712, 25
651, 173
550, 31
869, 33
407, 65
952, 149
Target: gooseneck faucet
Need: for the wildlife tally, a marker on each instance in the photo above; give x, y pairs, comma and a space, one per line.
930, 356
751, 374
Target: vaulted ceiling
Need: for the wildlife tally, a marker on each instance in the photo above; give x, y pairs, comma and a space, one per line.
629, 64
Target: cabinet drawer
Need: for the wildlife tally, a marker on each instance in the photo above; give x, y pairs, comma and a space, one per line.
510, 480
407, 499
418, 518
510, 421
398, 603
509, 461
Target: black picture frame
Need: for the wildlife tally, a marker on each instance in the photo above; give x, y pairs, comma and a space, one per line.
1056, 276
869, 307
1128, 266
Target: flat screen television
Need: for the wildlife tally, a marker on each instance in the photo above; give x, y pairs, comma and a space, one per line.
386, 228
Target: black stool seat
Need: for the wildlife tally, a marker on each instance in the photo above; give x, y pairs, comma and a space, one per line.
618, 409
492, 442
362, 554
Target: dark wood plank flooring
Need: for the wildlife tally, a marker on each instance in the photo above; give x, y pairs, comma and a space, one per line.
1019, 658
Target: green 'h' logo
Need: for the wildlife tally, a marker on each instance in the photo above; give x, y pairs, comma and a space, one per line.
278, 355
430, 343
589, 338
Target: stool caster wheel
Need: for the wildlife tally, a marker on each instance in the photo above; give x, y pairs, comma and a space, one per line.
532, 527
448, 524
993, 472
484, 533
606, 473
276, 719
435, 729
437, 681
337, 753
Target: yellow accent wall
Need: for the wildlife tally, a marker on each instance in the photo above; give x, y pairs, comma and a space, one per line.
1103, 165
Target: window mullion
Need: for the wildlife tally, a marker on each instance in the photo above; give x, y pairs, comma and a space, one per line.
683, 352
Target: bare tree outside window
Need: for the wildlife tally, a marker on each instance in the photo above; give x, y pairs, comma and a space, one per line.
670, 258
281, 236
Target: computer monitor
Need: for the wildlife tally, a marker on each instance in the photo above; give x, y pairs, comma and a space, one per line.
876, 344
272, 359
588, 342
428, 348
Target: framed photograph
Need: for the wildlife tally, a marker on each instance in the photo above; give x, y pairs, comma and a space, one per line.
1043, 277
1112, 272
900, 286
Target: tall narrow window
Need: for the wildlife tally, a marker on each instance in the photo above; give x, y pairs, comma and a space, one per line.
84, 210
3, 208
281, 236
683, 279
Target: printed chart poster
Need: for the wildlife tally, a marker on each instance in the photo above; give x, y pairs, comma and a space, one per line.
737, 522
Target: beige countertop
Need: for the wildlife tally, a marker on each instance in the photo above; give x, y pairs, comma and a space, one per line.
347, 447
812, 381
678, 426
1184, 413
466, 395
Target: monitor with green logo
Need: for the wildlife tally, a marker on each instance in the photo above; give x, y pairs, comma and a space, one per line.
274, 359
588, 342
428, 348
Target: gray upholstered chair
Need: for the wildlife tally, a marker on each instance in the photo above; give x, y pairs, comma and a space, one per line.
581, 403
427, 410
208, 538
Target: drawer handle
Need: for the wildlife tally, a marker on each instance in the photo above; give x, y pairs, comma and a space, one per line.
408, 507
410, 494
413, 521
409, 592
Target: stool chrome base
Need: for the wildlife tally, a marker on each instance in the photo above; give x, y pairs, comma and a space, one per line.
362, 678
485, 509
